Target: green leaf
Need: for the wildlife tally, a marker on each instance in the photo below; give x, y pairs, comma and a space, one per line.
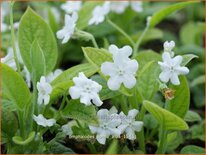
150, 122
187, 58
78, 111
174, 139
160, 15
192, 149
64, 81
18, 140
105, 93
97, 57
113, 148
192, 116
15, 88
147, 56
85, 14
198, 80
196, 33
37, 61
169, 120
148, 80
33, 27
58, 148
198, 131
179, 105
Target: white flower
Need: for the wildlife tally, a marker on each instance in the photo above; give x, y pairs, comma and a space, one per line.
108, 123
51, 76
66, 129
123, 69
129, 125
119, 7
71, 6
168, 47
68, 30
85, 89
99, 13
56, 14
9, 60
44, 91
136, 6
171, 68
27, 76
40, 120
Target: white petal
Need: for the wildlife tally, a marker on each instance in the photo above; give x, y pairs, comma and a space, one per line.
163, 66
114, 120
115, 132
60, 34
137, 6
166, 57
165, 76
114, 83
93, 129
103, 112
74, 17
85, 99
66, 38
132, 67
127, 50
174, 79
176, 61
122, 127
108, 68
182, 70
113, 110
132, 113
101, 138
130, 134
50, 122
40, 99
137, 125
96, 100
74, 92
129, 81
46, 99
113, 49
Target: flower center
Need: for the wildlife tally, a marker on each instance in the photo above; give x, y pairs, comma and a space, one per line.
87, 89
120, 72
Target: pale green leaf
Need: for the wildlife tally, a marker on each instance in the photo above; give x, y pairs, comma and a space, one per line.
169, 120
192, 116
187, 58
33, 27
192, 149
179, 105
160, 15
15, 88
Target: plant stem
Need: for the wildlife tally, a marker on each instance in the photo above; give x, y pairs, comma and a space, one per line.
92, 148
123, 104
94, 42
141, 133
121, 31
162, 141
21, 123
13, 36
136, 47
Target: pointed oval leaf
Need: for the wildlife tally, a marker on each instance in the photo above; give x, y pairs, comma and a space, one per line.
169, 120
187, 58
15, 88
33, 27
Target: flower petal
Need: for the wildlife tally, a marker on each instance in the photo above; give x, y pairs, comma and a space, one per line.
132, 67
166, 57
165, 76
74, 92
113, 49
114, 83
129, 81
182, 70
46, 99
96, 100
85, 99
130, 134
174, 79
101, 138
176, 61
137, 125
108, 68
132, 113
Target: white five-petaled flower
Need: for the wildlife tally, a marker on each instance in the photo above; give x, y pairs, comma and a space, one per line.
66, 129
122, 70
68, 30
99, 13
129, 125
108, 123
44, 91
51, 76
171, 68
42, 121
71, 6
85, 89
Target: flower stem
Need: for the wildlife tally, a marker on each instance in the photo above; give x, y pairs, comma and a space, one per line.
141, 133
162, 141
13, 36
136, 47
121, 31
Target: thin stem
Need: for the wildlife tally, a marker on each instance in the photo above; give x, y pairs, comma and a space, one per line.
13, 37
162, 141
21, 123
136, 47
141, 133
121, 31
123, 104
94, 41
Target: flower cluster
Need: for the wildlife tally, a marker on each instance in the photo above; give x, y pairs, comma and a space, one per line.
171, 66
113, 124
122, 70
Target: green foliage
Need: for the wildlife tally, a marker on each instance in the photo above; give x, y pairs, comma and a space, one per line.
113, 148
78, 111
33, 27
18, 140
160, 15
174, 139
148, 80
58, 148
180, 104
14, 88
187, 58
37, 61
150, 122
192, 149
168, 120
192, 116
